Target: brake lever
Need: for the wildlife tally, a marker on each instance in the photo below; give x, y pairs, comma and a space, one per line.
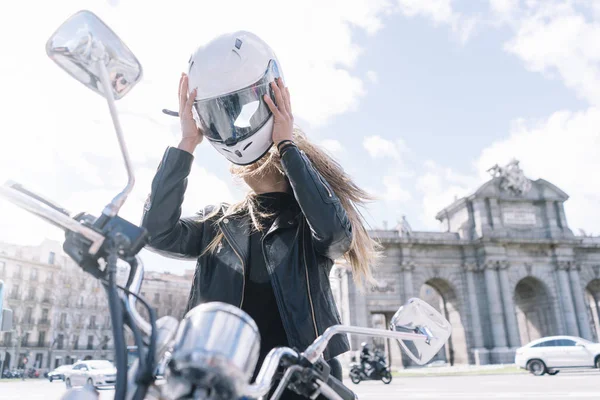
20, 188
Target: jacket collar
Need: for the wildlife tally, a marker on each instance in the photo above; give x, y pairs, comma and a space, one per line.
238, 227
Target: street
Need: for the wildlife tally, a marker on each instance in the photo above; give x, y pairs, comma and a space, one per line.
572, 386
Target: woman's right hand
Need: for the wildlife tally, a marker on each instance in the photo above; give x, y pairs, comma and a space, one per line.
191, 135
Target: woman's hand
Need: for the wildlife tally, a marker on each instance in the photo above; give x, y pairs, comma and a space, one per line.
191, 135
283, 126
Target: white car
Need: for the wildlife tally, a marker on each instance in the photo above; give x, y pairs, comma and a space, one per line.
553, 353
59, 373
97, 373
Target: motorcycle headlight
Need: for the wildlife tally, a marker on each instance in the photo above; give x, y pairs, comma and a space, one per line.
216, 347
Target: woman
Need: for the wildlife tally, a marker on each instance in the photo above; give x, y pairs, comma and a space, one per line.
271, 253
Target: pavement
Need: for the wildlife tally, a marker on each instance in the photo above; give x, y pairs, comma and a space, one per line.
564, 386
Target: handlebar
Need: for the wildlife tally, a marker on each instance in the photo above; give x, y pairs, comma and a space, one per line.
264, 380
338, 387
36, 205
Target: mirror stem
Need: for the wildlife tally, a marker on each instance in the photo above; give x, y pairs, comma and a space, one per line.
315, 350
115, 205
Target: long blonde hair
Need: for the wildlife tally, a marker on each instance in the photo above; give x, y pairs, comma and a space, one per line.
363, 252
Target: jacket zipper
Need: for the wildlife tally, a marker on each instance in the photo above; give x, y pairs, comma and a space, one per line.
312, 308
243, 266
325, 186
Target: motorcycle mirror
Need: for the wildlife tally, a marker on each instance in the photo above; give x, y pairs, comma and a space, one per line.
416, 316
83, 40
92, 53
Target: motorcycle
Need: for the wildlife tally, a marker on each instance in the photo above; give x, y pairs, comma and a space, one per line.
212, 353
374, 369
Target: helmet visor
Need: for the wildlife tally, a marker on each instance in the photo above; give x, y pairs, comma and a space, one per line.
237, 115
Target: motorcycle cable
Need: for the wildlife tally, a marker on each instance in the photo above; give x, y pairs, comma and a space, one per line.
145, 375
116, 315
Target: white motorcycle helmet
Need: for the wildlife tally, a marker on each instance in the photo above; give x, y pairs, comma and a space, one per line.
232, 73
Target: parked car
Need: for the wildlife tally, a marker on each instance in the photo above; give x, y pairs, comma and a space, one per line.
97, 373
59, 373
551, 354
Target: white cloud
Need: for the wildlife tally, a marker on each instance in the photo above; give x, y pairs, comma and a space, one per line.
395, 190
504, 7
378, 147
333, 146
439, 187
558, 40
372, 76
440, 12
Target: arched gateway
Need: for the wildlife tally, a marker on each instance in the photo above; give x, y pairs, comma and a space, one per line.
505, 270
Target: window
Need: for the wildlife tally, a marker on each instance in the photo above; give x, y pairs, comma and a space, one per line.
170, 298
25, 340
7, 338
51, 257
90, 343
92, 322
41, 339
2, 267
547, 343
105, 342
44, 314
34, 274
39, 358
15, 291
75, 342
566, 342
31, 293
60, 342
107, 324
28, 315
63, 319
156, 297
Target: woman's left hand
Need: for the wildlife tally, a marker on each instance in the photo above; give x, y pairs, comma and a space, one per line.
283, 126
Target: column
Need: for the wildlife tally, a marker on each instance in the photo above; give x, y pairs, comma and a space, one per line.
552, 216
512, 327
407, 268
495, 305
566, 298
474, 306
579, 300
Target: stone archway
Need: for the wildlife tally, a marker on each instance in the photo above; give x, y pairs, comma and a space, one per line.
442, 296
592, 295
534, 308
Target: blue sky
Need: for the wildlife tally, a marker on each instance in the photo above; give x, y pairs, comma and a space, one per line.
416, 99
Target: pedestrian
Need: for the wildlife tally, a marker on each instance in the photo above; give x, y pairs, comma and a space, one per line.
271, 253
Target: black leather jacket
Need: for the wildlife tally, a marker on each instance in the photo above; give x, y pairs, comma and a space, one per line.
299, 248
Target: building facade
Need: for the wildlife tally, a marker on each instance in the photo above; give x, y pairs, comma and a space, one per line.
61, 313
505, 270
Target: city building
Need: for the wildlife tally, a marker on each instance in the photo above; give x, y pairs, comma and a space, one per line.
61, 313
505, 270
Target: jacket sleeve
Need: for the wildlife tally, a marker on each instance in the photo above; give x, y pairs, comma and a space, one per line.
169, 234
329, 224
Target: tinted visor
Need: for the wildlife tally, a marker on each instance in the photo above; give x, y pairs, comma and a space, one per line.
238, 115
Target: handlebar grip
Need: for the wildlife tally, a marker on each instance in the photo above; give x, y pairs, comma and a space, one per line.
340, 389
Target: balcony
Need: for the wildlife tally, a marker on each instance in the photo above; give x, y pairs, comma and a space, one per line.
46, 300
31, 299
63, 325
44, 322
27, 324
93, 326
